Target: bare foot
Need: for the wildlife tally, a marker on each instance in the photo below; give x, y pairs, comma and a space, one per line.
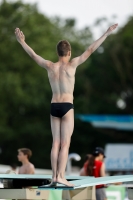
53, 179
64, 182
52, 184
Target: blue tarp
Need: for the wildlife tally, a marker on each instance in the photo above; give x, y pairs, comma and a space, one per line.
120, 122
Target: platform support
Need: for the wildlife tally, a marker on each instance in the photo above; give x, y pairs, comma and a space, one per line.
87, 193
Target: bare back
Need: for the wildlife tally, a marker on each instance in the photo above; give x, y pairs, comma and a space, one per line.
27, 169
61, 74
62, 79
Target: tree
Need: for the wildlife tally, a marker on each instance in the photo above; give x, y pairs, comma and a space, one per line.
111, 73
26, 94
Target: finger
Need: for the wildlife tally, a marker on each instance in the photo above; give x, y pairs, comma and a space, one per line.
115, 25
16, 32
22, 35
19, 33
17, 29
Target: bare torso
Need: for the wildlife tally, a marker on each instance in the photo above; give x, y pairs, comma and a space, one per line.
62, 79
27, 169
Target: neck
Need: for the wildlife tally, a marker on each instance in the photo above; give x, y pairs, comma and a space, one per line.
64, 59
24, 162
97, 158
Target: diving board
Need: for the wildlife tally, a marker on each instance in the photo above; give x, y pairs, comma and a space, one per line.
30, 187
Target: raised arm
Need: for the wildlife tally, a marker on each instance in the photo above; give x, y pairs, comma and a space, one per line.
79, 60
38, 59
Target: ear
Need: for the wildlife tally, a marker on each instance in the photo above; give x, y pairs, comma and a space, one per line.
69, 53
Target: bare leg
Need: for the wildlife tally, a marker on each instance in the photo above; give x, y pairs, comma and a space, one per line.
67, 125
55, 127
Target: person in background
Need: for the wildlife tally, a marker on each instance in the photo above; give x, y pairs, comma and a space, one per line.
14, 167
27, 167
95, 166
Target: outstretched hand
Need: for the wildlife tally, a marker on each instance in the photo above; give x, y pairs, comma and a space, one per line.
19, 35
111, 28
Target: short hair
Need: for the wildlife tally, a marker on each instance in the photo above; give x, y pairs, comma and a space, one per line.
26, 151
63, 47
13, 166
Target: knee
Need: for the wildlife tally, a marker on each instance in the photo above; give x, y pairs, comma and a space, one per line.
56, 144
64, 144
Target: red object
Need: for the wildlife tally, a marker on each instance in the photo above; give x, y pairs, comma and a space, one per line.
96, 170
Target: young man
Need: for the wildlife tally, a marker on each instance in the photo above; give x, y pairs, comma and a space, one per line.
62, 78
24, 155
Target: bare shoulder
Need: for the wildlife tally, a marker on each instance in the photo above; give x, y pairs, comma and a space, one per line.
19, 170
30, 169
42, 62
22, 170
31, 165
48, 64
51, 65
75, 62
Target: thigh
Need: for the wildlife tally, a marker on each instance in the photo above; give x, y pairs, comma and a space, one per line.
67, 125
55, 127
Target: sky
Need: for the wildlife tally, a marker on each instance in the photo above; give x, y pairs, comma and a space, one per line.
87, 11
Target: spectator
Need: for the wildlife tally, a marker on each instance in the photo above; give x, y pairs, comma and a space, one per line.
14, 167
95, 166
27, 167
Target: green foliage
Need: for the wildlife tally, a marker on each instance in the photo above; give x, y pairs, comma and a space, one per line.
26, 93
111, 73
24, 87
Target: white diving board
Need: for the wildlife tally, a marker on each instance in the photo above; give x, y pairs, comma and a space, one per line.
84, 187
39, 176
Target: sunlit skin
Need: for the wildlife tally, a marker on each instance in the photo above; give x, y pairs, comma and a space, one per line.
27, 167
61, 76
